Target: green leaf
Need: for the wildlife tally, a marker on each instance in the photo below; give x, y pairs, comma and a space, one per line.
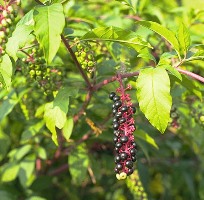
27, 19
5, 142
172, 70
183, 38
56, 111
131, 3
18, 39
49, 24
146, 55
153, 94
147, 138
78, 164
114, 34
22, 151
68, 127
164, 32
10, 172
27, 167
6, 71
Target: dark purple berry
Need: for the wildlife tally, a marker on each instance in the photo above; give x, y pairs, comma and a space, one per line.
115, 120
134, 145
129, 164
116, 132
115, 111
130, 171
117, 159
116, 98
116, 125
133, 109
117, 149
113, 106
118, 144
124, 139
134, 158
122, 120
123, 156
118, 115
124, 109
118, 104
111, 95
133, 152
116, 170
119, 166
115, 139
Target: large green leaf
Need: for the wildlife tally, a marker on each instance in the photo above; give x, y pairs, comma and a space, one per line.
183, 38
55, 112
68, 127
163, 31
18, 39
114, 34
78, 164
10, 172
153, 94
49, 24
6, 71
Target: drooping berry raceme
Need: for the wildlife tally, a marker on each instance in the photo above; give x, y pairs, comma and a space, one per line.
123, 126
7, 16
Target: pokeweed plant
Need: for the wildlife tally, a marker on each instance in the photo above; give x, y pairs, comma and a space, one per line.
61, 59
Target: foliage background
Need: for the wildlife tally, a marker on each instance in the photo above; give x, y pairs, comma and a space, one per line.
170, 165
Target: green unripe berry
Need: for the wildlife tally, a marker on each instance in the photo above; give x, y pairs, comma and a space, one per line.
79, 47
4, 13
90, 57
77, 54
90, 63
32, 72
2, 34
83, 54
38, 73
202, 118
8, 21
3, 22
10, 8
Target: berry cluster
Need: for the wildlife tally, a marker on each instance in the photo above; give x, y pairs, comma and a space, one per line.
174, 118
7, 16
123, 126
135, 186
85, 56
197, 112
35, 68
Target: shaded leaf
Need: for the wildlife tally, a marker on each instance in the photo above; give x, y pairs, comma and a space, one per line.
68, 127
78, 164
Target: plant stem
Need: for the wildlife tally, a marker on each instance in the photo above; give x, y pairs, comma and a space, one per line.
66, 43
191, 74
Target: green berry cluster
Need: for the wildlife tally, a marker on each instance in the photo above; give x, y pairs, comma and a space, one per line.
197, 113
174, 123
135, 186
35, 69
85, 55
7, 16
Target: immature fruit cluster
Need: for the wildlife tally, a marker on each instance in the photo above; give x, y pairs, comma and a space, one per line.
85, 56
123, 126
135, 186
35, 68
197, 112
7, 16
174, 117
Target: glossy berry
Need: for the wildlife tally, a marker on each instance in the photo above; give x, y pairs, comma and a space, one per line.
118, 145
115, 139
124, 139
115, 120
117, 159
119, 166
124, 109
133, 109
134, 158
122, 120
134, 145
129, 164
130, 171
123, 156
111, 95
133, 152
117, 104
116, 125
116, 170
118, 114
116, 98
117, 149
116, 132
114, 111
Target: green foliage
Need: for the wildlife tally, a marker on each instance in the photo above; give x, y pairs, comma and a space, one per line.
60, 59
